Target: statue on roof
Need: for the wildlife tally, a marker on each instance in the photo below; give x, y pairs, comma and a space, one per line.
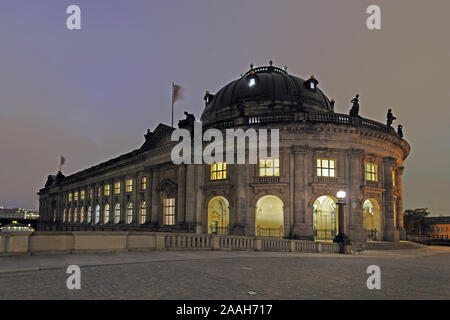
390, 118
354, 111
400, 130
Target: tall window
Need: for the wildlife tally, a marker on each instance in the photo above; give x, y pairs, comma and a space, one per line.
82, 215
70, 196
143, 212
269, 167
75, 196
70, 215
393, 177
106, 216
169, 211
129, 212
89, 215
117, 213
64, 214
97, 214
83, 194
91, 193
129, 185
107, 190
117, 187
143, 183
326, 168
371, 171
218, 171
75, 215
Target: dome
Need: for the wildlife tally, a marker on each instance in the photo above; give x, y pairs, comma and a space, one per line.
270, 87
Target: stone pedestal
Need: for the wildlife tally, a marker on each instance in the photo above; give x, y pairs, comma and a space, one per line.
302, 231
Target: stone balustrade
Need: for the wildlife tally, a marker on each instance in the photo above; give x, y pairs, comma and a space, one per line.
92, 241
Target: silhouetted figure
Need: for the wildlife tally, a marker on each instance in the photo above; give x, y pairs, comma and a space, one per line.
400, 130
390, 118
354, 111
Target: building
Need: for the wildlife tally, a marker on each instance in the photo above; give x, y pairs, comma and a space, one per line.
18, 215
440, 227
293, 196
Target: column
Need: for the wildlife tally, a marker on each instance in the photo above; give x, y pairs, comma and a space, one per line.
356, 230
399, 186
390, 232
156, 202
190, 194
240, 177
181, 196
301, 229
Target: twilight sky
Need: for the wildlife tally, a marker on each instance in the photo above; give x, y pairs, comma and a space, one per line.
91, 94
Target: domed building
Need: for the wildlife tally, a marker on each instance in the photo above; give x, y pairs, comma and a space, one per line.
292, 196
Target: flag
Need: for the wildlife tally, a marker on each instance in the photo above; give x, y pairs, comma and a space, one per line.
62, 161
177, 92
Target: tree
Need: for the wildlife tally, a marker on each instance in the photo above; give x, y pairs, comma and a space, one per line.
415, 221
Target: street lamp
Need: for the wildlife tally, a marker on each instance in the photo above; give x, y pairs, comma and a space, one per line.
341, 237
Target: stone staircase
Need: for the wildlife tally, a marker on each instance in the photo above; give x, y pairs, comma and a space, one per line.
384, 245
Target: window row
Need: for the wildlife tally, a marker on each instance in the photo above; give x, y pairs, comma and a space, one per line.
75, 196
113, 215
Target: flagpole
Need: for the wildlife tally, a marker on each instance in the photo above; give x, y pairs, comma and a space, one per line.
172, 104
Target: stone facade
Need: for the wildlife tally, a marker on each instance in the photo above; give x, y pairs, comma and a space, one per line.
307, 133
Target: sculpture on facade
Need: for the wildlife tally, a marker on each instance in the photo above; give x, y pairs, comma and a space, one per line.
400, 130
390, 118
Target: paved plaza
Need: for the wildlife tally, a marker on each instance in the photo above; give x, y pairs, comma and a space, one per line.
405, 274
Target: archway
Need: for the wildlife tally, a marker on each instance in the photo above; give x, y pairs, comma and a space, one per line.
372, 219
325, 218
218, 215
269, 217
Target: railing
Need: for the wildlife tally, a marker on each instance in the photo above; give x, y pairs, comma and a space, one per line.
276, 245
324, 234
269, 232
235, 242
267, 179
306, 246
372, 234
218, 230
187, 241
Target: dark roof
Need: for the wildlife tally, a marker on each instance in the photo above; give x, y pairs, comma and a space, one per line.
272, 84
438, 220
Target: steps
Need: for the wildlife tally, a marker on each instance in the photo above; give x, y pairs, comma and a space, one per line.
401, 245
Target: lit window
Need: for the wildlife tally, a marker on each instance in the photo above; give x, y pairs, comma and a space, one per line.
129, 213
75, 215
117, 213
107, 190
83, 194
218, 171
82, 215
97, 214
117, 187
251, 82
91, 193
169, 211
143, 212
144, 183
129, 185
99, 192
326, 168
371, 172
75, 196
106, 216
269, 167
64, 215
89, 215
70, 196
70, 215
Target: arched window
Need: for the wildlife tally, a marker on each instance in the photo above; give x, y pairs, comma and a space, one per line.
97, 214
129, 212
70, 215
117, 213
89, 215
106, 217
64, 215
82, 215
75, 215
143, 212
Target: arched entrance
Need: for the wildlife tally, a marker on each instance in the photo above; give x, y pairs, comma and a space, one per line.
269, 217
325, 218
372, 219
218, 215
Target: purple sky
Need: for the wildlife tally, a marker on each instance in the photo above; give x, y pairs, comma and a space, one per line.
91, 94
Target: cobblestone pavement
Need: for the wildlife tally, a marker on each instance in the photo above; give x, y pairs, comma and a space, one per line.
409, 274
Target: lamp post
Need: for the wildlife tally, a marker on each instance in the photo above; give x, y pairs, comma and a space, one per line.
341, 237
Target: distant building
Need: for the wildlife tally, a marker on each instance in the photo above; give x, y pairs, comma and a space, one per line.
440, 227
